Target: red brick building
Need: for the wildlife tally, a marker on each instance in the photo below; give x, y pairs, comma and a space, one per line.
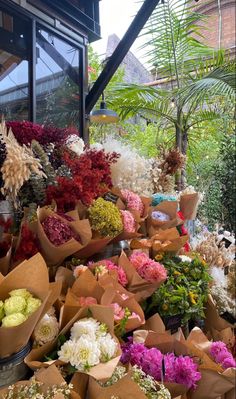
220, 30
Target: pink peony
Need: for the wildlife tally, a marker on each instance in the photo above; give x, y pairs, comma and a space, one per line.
139, 259
147, 268
128, 221
86, 301
133, 201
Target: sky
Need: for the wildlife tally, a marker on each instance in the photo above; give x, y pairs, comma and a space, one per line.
115, 17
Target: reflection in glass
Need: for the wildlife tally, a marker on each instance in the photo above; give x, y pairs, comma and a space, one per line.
14, 102
57, 81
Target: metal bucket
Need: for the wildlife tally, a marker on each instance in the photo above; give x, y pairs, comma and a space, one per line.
13, 368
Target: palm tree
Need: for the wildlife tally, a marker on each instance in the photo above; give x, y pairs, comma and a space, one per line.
190, 75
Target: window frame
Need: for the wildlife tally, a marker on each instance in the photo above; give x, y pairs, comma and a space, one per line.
80, 44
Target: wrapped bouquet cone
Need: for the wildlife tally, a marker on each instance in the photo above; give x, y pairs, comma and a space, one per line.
170, 209
36, 358
188, 205
33, 276
54, 255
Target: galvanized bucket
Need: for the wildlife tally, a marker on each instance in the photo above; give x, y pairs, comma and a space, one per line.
13, 368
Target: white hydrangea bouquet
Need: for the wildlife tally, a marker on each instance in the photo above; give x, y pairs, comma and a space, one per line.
86, 344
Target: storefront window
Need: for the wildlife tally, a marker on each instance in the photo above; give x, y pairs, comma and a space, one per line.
14, 68
57, 81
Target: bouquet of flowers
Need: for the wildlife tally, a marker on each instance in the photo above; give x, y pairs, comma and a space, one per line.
162, 216
109, 266
125, 385
185, 292
217, 367
60, 237
85, 344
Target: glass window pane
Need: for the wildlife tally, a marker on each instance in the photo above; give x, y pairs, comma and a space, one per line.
14, 97
57, 81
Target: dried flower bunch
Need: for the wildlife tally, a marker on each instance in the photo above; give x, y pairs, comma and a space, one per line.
105, 218
35, 390
58, 231
225, 299
151, 388
213, 250
131, 171
18, 166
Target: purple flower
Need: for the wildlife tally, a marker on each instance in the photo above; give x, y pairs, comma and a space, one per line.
151, 363
137, 352
228, 362
186, 372
221, 355
169, 361
125, 357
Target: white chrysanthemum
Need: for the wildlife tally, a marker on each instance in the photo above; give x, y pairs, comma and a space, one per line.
185, 258
86, 326
46, 330
86, 354
108, 347
66, 353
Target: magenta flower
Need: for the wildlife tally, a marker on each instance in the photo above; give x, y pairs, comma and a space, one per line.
186, 372
152, 362
125, 357
137, 352
169, 362
221, 355
128, 221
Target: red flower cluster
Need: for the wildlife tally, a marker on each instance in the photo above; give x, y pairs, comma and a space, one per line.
91, 178
57, 231
28, 246
183, 232
25, 132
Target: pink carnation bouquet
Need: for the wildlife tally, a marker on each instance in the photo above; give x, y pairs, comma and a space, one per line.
148, 269
133, 201
129, 223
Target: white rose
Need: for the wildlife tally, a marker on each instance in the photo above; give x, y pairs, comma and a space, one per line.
86, 326
108, 347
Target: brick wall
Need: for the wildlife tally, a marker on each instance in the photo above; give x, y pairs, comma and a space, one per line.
228, 22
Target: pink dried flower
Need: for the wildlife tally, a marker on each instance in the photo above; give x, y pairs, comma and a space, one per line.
133, 201
86, 301
57, 231
186, 372
128, 221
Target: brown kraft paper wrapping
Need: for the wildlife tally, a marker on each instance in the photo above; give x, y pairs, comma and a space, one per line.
136, 284
6, 260
215, 381
32, 275
188, 205
165, 343
104, 314
48, 378
169, 208
54, 255
125, 388
168, 241
213, 319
